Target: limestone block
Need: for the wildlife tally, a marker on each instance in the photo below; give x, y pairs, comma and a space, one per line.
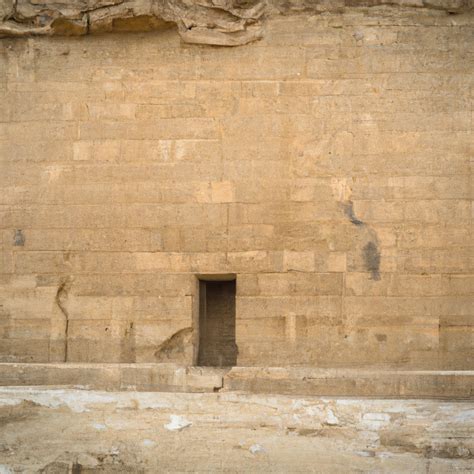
250, 330
399, 384
86, 350
6, 260
255, 261
265, 149
36, 131
24, 350
197, 128
337, 262
170, 377
327, 308
298, 261
247, 285
294, 283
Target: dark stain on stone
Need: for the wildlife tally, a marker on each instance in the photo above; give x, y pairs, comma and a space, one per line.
174, 348
381, 337
372, 259
348, 208
449, 450
57, 467
308, 432
128, 347
19, 238
18, 413
76, 468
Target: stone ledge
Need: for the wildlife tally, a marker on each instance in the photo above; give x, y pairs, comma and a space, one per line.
114, 377
375, 383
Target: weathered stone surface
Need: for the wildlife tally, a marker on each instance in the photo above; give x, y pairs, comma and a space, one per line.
141, 377
225, 23
90, 431
220, 23
352, 383
451, 385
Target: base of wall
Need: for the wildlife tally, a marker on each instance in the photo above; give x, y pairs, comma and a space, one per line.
353, 382
69, 431
277, 380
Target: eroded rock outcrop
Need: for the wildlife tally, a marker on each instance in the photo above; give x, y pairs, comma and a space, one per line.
226, 22
214, 22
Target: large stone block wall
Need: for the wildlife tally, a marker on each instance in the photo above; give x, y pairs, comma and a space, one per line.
326, 165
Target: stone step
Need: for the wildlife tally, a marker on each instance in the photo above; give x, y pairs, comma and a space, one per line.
353, 382
376, 383
114, 377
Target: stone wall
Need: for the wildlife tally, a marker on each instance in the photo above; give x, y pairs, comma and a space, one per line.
326, 165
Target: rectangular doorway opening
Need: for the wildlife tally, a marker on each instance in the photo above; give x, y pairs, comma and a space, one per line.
217, 347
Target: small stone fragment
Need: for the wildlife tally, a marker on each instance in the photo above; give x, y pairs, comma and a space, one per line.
331, 418
256, 448
177, 423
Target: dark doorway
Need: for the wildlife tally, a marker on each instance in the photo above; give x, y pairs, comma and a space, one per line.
217, 347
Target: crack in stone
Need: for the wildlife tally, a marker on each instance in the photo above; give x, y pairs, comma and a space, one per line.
60, 299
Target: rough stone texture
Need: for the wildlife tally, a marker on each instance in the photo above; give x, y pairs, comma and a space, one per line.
327, 166
141, 377
216, 22
65, 431
210, 22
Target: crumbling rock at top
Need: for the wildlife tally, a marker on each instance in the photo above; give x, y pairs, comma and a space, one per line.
213, 22
217, 22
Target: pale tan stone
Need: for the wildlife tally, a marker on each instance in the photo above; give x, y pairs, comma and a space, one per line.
299, 261
326, 166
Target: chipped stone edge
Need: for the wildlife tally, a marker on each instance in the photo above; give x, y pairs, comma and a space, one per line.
203, 23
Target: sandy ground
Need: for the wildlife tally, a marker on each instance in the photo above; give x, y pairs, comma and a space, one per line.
57, 430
